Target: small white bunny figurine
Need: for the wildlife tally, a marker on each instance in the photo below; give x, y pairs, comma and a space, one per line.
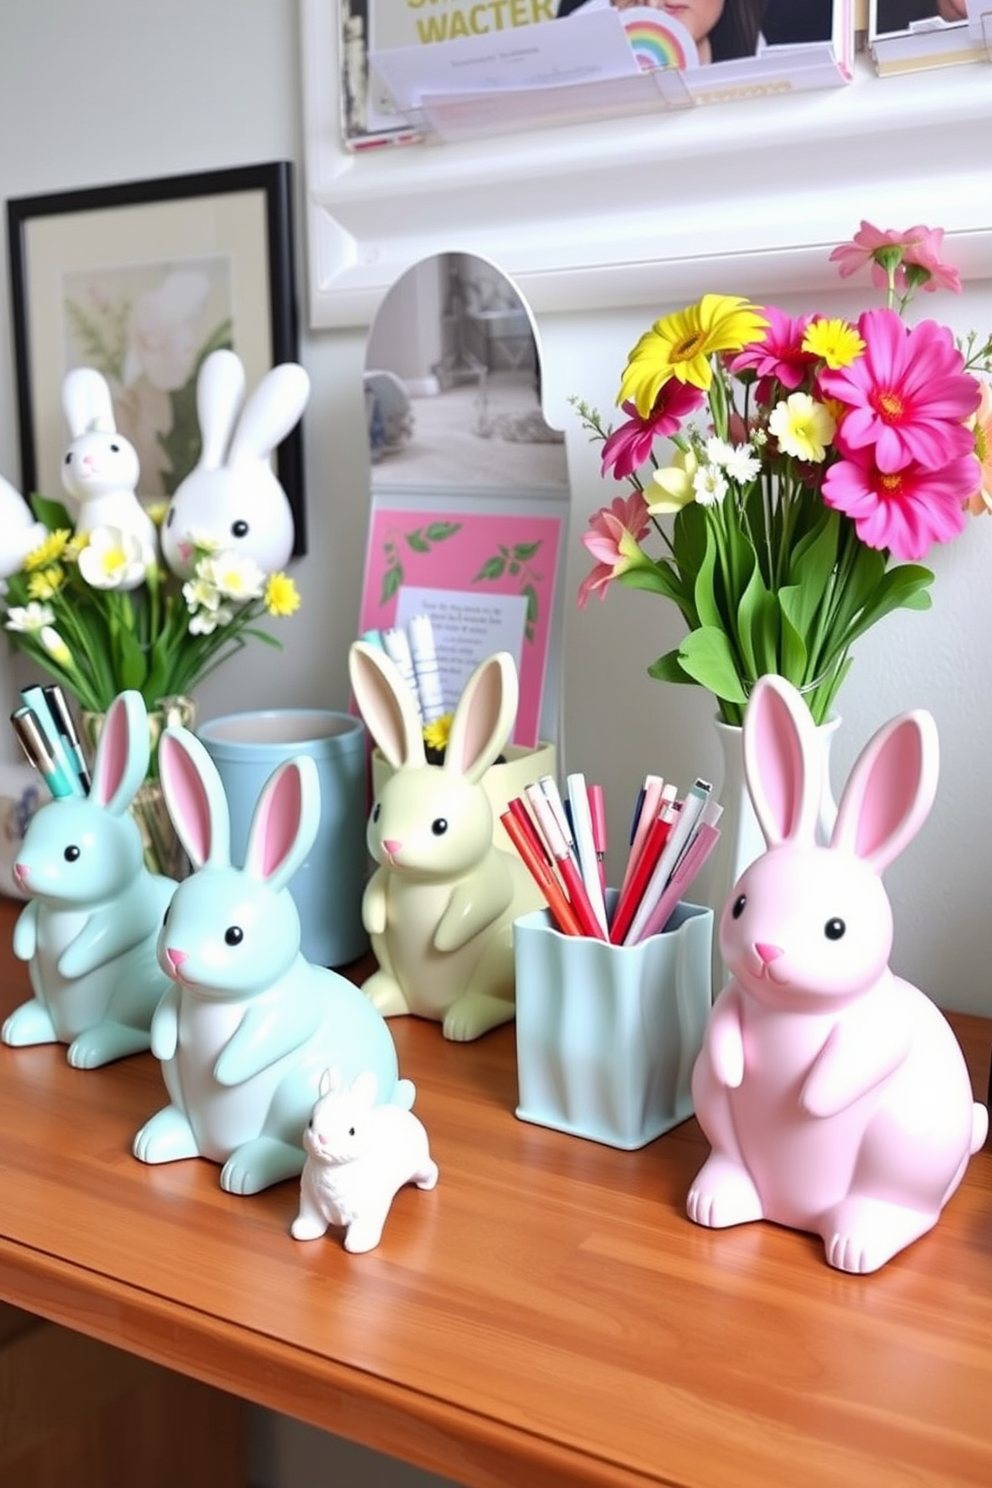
19, 532
100, 467
90, 930
232, 497
834, 1094
359, 1156
440, 906
248, 1024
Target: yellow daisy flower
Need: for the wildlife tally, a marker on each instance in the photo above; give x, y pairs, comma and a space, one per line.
281, 595
803, 427
681, 345
835, 342
45, 582
437, 733
49, 551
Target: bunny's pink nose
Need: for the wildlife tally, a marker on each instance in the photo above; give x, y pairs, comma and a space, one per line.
21, 872
767, 952
392, 845
176, 957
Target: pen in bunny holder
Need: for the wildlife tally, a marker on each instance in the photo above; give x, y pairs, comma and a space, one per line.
359, 1156
834, 1094
248, 1025
100, 467
439, 907
232, 498
90, 929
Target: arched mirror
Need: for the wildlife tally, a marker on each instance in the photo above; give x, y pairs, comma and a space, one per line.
469, 483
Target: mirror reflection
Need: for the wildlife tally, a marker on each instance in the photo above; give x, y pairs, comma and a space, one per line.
452, 384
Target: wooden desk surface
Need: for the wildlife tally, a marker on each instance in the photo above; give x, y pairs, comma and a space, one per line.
546, 1316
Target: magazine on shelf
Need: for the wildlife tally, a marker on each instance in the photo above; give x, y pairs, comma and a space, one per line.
914, 35
411, 74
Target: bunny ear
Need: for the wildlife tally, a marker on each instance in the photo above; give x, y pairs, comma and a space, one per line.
284, 823
386, 705
87, 402
195, 798
484, 717
330, 1081
121, 761
220, 390
890, 790
272, 410
783, 765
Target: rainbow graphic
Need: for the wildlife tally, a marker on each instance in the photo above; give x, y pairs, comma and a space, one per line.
656, 42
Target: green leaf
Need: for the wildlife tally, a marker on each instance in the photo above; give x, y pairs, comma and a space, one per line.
668, 668
523, 552
417, 542
52, 513
706, 656
658, 579
441, 531
392, 580
493, 568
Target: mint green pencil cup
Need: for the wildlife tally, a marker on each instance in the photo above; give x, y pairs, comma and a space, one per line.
607, 1035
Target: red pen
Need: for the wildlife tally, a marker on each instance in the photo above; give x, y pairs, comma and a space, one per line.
630, 898
578, 896
542, 875
527, 823
597, 811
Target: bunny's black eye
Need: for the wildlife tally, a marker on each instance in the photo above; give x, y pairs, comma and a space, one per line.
439, 826
351, 1131
170, 517
739, 904
376, 811
234, 935
71, 853
115, 449
68, 458
834, 929
239, 529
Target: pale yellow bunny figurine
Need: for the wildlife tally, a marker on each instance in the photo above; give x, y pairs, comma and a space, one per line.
440, 906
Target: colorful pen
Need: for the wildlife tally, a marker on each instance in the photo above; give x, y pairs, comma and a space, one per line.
34, 743
597, 811
689, 866
578, 796
632, 895
542, 875
695, 799
575, 887
55, 746
62, 719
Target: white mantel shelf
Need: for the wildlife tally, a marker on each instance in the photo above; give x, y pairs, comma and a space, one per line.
616, 212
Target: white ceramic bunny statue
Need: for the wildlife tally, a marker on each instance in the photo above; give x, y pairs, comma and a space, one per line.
19, 532
232, 496
834, 1094
359, 1156
440, 906
90, 930
100, 467
248, 1025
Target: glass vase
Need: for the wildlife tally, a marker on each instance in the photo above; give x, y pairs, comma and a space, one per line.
162, 849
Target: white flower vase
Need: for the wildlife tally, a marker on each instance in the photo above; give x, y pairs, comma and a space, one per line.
741, 839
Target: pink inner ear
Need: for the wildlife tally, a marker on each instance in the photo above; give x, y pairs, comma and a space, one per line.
275, 830
889, 790
781, 763
112, 754
188, 799
481, 719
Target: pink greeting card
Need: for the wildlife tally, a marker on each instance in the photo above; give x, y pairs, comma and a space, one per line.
488, 582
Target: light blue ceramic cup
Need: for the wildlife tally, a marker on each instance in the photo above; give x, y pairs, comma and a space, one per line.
327, 888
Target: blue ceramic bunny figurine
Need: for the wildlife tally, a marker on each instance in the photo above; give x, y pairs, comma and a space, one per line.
249, 1025
90, 928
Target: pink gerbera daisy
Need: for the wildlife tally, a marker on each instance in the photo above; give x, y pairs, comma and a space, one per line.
613, 539
629, 447
906, 397
905, 511
779, 356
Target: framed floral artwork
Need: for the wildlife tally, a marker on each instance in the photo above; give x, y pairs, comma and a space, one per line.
141, 281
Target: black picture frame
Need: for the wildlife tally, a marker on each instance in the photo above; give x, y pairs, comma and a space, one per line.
223, 238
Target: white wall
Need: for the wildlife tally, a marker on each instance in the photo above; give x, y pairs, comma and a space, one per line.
113, 90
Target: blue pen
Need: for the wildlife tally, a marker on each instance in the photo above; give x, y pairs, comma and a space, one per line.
35, 699
32, 740
62, 719
637, 815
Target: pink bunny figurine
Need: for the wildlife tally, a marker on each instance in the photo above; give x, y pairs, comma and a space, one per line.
834, 1094
359, 1156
